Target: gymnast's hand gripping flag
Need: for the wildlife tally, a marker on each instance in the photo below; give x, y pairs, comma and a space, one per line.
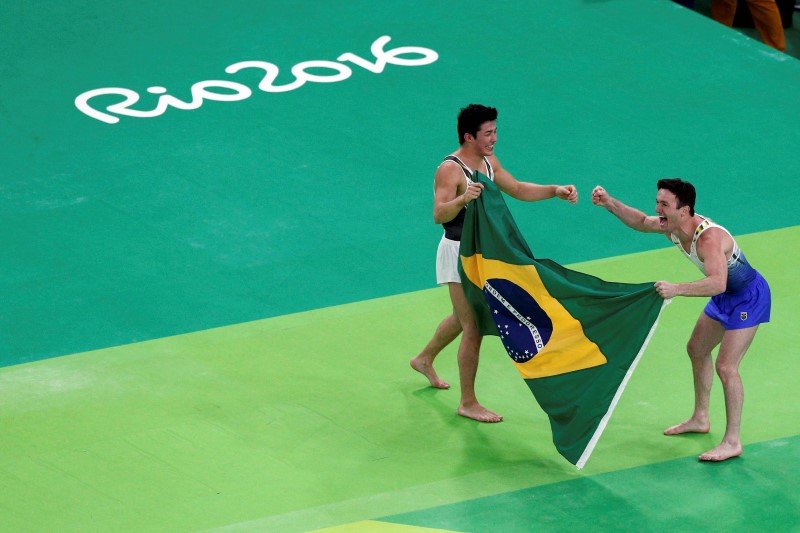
575, 338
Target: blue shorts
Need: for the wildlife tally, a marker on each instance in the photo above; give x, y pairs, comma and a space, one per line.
746, 308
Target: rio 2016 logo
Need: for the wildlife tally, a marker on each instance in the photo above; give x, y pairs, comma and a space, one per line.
232, 91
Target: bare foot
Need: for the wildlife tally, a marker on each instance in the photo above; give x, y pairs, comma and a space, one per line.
722, 452
479, 413
426, 369
690, 426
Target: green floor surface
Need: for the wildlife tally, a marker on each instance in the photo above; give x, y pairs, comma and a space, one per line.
315, 419
238, 211
742, 495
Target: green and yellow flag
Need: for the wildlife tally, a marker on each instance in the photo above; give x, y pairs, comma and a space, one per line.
574, 338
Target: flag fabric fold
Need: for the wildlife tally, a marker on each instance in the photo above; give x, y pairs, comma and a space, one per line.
574, 338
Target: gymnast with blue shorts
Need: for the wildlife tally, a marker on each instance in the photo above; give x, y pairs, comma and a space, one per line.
740, 301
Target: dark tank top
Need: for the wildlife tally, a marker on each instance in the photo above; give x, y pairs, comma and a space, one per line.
452, 228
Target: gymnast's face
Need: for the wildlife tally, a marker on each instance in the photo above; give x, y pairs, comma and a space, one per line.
669, 214
485, 138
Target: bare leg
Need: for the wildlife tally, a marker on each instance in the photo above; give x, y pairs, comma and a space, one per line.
468, 353
734, 345
448, 330
705, 337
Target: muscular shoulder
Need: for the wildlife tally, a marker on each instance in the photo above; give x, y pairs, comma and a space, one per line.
448, 169
496, 166
503, 178
450, 176
712, 241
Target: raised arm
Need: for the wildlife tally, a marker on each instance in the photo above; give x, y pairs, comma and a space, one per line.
631, 217
527, 191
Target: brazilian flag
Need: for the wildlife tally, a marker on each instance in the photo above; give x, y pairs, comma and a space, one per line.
575, 338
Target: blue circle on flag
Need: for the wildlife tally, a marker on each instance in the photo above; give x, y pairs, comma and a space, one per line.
523, 325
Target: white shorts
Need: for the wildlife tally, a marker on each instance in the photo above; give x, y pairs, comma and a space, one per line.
447, 262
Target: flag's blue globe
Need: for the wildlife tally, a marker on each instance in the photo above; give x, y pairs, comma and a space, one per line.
523, 325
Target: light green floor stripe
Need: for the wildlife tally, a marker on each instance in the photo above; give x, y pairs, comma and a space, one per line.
372, 526
315, 419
